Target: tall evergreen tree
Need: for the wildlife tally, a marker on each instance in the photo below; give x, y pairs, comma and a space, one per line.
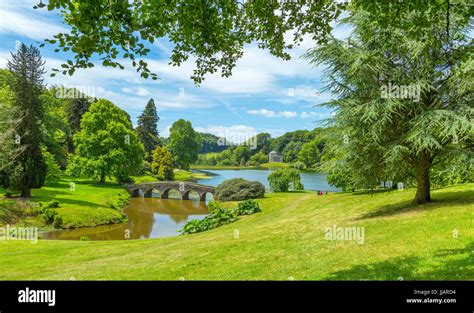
26, 168
75, 110
147, 128
404, 100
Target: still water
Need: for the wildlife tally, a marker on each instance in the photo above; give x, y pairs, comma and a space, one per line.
147, 218
310, 180
155, 217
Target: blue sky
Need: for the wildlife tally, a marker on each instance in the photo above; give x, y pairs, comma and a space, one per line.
264, 94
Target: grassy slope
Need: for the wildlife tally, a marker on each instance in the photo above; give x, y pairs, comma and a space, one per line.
285, 240
86, 205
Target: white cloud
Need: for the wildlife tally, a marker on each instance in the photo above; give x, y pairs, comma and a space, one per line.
28, 23
140, 91
270, 113
320, 115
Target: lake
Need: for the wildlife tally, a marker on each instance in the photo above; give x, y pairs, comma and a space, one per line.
310, 180
155, 217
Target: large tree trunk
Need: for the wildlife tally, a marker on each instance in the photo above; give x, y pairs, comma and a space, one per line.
423, 181
26, 193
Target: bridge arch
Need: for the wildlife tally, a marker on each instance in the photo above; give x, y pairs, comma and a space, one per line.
185, 189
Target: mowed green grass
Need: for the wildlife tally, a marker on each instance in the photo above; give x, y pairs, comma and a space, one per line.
285, 241
82, 202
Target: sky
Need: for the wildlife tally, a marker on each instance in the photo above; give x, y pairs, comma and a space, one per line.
264, 94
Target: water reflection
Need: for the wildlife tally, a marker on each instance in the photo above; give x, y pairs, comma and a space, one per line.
147, 218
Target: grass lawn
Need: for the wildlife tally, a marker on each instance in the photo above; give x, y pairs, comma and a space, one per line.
180, 175
82, 204
287, 239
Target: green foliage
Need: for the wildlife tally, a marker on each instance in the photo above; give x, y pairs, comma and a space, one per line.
53, 173
247, 207
239, 189
211, 143
309, 154
286, 179
58, 221
56, 132
25, 167
456, 167
184, 144
218, 217
259, 158
147, 128
106, 144
162, 165
11, 212
75, 110
299, 165
49, 216
385, 133
216, 43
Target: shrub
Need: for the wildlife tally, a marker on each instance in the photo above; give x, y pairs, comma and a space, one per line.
218, 217
285, 179
53, 172
239, 189
299, 165
49, 215
11, 212
58, 221
247, 207
53, 204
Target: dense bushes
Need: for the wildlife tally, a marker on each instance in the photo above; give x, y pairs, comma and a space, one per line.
285, 179
220, 216
239, 189
247, 207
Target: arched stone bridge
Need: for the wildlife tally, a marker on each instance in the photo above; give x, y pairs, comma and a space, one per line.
146, 189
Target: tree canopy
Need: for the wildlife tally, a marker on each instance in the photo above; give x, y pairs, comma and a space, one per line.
25, 167
184, 144
106, 146
404, 99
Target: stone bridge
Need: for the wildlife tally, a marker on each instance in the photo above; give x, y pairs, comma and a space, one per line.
184, 188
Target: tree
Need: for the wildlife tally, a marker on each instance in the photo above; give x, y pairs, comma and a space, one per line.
241, 154
404, 98
291, 150
309, 154
106, 144
213, 32
147, 128
285, 179
26, 168
259, 158
184, 144
57, 135
162, 164
76, 108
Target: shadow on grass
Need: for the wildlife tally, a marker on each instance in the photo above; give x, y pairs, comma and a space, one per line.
439, 199
411, 268
49, 195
